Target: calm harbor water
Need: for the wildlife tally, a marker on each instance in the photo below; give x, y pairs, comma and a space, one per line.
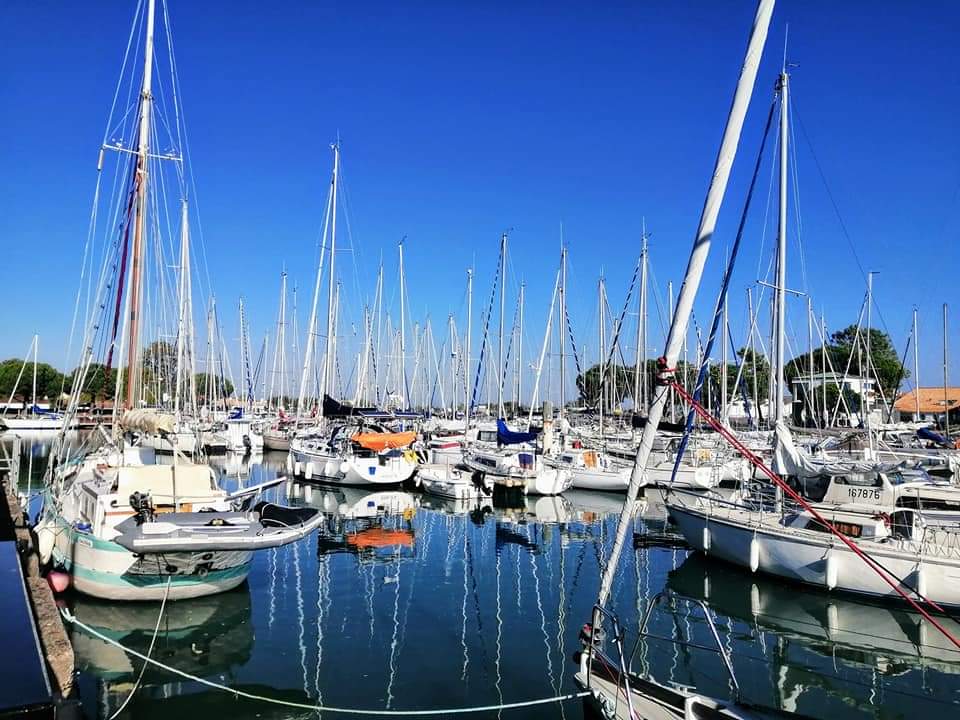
433, 605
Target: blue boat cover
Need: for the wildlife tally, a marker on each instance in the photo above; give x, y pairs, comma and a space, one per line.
235, 414
928, 434
505, 436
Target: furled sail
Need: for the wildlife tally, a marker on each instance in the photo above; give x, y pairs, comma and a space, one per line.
147, 421
788, 459
505, 436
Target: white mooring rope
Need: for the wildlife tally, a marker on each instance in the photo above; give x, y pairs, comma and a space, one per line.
71, 618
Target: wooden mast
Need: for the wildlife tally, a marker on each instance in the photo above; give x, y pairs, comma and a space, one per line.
140, 222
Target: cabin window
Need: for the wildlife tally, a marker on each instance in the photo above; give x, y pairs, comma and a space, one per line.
901, 524
568, 458
848, 529
859, 480
487, 436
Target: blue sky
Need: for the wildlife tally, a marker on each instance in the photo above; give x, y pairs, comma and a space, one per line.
459, 122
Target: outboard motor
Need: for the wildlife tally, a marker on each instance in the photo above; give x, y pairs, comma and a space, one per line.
142, 505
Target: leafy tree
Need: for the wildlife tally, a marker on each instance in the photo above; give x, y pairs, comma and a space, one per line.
49, 381
842, 346
99, 384
221, 387
618, 378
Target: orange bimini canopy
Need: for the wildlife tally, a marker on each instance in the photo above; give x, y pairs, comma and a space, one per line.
382, 441
379, 538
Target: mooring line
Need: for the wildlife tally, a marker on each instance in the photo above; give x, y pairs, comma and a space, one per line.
72, 619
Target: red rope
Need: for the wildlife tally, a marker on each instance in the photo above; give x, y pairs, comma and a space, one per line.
871, 563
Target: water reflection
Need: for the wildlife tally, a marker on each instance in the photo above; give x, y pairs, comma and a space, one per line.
211, 637
407, 601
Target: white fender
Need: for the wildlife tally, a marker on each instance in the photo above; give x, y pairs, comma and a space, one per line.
706, 538
921, 583
754, 554
308, 471
754, 599
344, 467
308, 493
706, 587
833, 569
46, 539
833, 619
289, 463
297, 469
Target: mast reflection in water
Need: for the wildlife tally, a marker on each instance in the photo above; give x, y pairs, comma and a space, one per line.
406, 601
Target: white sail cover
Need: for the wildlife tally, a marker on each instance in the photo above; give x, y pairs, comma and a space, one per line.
788, 459
147, 421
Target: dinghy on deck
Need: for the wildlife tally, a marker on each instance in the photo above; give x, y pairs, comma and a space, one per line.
265, 526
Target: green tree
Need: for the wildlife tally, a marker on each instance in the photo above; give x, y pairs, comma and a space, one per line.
49, 381
619, 379
844, 345
221, 387
99, 383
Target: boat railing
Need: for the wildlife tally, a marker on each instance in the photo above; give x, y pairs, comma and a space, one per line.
10, 460
599, 615
720, 649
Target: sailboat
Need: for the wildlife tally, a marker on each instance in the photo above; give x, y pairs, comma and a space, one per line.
32, 418
123, 526
616, 689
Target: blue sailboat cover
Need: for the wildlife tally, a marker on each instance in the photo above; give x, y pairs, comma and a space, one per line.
505, 436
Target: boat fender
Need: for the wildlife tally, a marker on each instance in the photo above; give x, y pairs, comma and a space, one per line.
754, 554
706, 587
832, 570
921, 582
344, 467
297, 469
706, 539
58, 581
308, 471
833, 619
289, 464
46, 538
754, 599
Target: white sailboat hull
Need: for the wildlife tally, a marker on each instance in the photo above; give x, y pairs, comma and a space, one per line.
376, 470
103, 569
824, 562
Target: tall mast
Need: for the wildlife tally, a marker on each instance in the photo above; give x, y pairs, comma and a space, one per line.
282, 340
753, 358
602, 357
823, 369
811, 396
780, 294
519, 359
140, 219
466, 358
916, 367
724, 359
866, 393
403, 335
379, 357
329, 360
503, 275
562, 325
36, 358
946, 405
640, 371
688, 291
451, 331
182, 316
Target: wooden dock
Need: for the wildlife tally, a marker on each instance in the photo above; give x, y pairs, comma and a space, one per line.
38, 665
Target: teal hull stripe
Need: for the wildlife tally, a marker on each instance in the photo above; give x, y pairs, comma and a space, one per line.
141, 581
